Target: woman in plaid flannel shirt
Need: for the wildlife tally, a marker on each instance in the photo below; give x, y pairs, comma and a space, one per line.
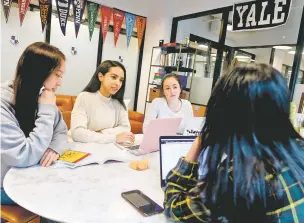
261, 178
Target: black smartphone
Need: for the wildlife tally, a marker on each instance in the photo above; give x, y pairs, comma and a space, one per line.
143, 204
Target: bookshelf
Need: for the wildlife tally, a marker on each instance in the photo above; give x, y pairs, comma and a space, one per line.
172, 58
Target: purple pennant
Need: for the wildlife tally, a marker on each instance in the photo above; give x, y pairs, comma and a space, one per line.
78, 9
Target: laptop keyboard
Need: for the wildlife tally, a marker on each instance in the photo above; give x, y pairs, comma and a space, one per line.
135, 147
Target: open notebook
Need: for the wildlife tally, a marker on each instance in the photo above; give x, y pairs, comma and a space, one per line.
91, 153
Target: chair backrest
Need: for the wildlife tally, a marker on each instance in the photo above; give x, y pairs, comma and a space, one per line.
64, 102
199, 110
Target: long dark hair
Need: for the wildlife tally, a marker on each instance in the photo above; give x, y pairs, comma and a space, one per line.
103, 68
36, 63
247, 119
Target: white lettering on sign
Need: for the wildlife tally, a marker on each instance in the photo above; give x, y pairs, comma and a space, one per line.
239, 8
63, 13
267, 20
278, 9
251, 17
6, 2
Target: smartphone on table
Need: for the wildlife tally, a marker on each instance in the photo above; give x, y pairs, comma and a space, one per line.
142, 203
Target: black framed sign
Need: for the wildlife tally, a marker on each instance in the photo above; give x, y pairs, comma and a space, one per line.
260, 14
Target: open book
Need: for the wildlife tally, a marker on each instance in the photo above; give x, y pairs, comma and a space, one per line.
91, 153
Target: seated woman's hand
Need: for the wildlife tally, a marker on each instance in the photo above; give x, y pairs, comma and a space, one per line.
49, 157
47, 97
125, 137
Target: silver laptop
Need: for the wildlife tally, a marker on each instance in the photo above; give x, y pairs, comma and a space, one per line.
155, 129
171, 149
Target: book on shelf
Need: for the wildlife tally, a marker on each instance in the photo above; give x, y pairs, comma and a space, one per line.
158, 78
170, 44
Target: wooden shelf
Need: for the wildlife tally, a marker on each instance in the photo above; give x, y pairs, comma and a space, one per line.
185, 49
172, 68
155, 84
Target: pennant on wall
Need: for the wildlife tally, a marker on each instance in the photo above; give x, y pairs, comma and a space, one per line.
44, 6
63, 8
118, 17
92, 16
23, 6
106, 14
78, 8
140, 24
130, 21
6, 4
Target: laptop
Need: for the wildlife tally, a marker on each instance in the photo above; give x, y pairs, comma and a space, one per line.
194, 126
171, 149
155, 129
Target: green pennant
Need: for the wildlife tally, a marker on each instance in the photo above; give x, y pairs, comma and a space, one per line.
92, 16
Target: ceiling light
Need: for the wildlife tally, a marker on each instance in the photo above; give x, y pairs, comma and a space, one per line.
203, 46
283, 47
293, 52
242, 57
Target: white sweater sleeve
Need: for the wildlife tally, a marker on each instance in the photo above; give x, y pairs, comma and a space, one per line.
123, 124
152, 114
79, 125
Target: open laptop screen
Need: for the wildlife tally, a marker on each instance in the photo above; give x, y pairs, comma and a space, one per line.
171, 149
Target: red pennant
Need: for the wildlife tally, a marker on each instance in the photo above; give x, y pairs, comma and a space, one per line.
140, 24
118, 18
106, 14
23, 6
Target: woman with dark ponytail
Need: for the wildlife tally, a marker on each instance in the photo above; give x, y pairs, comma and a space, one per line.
253, 156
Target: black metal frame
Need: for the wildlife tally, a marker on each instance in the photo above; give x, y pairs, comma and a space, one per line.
222, 37
297, 58
140, 58
192, 16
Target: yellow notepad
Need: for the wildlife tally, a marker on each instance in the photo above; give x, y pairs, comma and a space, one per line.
72, 156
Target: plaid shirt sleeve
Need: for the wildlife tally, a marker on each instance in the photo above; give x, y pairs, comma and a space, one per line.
180, 202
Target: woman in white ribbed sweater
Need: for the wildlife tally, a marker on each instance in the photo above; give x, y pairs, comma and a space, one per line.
100, 114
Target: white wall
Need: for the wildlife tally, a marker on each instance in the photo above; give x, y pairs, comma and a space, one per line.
80, 67
130, 60
138, 7
262, 54
10, 53
202, 26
